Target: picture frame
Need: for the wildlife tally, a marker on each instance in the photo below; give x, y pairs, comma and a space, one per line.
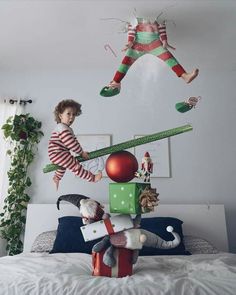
93, 142
160, 154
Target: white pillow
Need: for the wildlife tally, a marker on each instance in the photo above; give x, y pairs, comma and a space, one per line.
44, 241
197, 245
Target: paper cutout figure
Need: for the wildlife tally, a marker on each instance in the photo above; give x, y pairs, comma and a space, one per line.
146, 37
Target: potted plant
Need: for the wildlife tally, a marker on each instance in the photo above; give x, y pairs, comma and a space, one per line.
24, 133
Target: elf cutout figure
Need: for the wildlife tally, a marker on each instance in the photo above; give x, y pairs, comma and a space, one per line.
146, 167
146, 37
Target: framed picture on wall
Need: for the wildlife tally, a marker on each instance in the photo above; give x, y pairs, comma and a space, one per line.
93, 142
159, 153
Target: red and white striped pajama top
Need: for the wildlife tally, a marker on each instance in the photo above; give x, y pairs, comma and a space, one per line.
63, 141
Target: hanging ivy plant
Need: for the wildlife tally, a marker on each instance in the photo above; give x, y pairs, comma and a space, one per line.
24, 133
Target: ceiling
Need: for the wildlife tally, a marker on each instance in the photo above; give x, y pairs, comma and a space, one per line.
66, 35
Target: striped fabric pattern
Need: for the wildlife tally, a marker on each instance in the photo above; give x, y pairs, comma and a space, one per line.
147, 39
131, 33
63, 141
162, 31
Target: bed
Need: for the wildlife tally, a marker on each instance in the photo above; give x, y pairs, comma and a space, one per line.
70, 273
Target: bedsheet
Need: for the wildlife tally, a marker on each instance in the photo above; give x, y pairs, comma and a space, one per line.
70, 274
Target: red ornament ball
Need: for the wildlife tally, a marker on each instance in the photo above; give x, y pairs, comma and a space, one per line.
121, 166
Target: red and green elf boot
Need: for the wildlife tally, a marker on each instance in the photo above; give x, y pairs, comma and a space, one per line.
111, 90
187, 105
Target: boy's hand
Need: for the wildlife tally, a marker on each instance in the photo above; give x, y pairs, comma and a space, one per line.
85, 155
98, 176
128, 45
166, 45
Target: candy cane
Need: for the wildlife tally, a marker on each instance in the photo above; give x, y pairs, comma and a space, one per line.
107, 46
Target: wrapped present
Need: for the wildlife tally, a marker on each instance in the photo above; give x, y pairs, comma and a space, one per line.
123, 267
124, 197
105, 227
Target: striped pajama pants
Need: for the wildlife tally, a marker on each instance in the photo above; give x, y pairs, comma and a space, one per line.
66, 161
139, 49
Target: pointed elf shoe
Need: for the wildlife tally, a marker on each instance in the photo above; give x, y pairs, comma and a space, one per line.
183, 107
109, 91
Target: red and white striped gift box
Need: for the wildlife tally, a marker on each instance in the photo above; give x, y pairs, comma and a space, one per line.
123, 267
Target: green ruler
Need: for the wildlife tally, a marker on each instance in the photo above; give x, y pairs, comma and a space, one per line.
127, 144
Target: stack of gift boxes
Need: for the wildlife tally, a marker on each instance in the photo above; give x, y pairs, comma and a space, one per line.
124, 199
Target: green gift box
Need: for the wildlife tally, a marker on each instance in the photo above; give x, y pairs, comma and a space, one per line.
124, 197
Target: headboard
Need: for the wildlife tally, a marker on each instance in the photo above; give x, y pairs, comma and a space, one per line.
205, 221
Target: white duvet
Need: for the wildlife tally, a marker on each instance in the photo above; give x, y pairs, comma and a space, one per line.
67, 274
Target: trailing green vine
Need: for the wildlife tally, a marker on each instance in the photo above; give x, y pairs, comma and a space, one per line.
24, 133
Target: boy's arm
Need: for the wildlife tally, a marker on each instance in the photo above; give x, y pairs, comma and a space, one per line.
163, 35
131, 33
70, 141
131, 37
162, 31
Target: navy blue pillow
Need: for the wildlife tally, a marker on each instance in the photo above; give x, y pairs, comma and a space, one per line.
158, 226
69, 238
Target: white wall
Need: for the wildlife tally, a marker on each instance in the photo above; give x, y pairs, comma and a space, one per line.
55, 49
202, 161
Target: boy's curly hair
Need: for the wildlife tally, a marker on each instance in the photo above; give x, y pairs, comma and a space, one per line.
66, 103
